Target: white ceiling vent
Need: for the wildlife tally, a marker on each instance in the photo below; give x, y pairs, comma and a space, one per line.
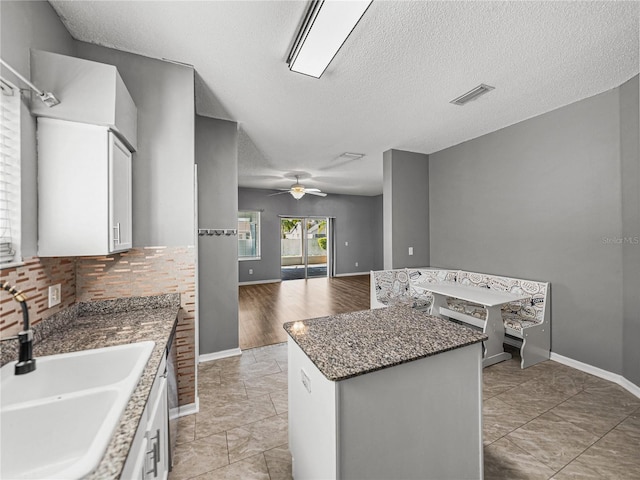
350, 156
472, 94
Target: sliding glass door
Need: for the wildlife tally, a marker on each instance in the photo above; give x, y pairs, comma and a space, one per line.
304, 247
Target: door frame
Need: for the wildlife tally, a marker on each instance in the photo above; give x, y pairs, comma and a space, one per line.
305, 259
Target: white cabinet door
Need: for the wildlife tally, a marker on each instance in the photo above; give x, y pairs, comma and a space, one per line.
157, 464
134, 468
84, 190
119, 195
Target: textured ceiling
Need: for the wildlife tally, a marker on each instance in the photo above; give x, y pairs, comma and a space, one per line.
390, 84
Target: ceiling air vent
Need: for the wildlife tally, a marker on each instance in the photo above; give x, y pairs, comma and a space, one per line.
472, 94
350, 156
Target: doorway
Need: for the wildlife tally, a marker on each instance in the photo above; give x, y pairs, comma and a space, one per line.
305, 247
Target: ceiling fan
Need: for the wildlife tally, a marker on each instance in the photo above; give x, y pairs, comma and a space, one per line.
298, 191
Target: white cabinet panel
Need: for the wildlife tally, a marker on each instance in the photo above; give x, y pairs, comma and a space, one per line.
421, 419
148, 457
89, 92
119, 195
157, 464
84, 190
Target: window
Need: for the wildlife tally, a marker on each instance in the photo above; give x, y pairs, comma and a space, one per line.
9, 174
248, 235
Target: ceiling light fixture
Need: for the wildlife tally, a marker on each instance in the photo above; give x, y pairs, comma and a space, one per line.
325, 28
472, 94
297, 190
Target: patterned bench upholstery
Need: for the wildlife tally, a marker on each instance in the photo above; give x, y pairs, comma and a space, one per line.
389, 287
527, 320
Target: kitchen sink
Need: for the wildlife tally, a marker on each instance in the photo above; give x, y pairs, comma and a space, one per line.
58, 420
69, 372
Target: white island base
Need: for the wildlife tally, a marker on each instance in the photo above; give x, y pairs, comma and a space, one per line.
418, 420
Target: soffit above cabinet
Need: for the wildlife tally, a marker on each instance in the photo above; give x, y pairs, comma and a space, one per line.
89, 92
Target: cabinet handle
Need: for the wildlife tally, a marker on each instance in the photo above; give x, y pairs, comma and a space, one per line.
116, 238
155, 453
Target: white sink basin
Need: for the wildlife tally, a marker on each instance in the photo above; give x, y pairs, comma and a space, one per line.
58, 420
69, 372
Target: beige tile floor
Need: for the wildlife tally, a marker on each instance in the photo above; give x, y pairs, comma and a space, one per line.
547, 421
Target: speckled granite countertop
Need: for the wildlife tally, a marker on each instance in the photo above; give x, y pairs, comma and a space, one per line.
115, 322
350, 344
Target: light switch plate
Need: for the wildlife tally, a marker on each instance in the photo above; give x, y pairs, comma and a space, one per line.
55, 295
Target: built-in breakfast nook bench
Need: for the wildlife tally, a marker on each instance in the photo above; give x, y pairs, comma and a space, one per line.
510, 310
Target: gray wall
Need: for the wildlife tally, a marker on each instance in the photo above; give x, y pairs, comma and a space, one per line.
540, 200
217, 158
387, 211
378, 234
163, 186
406, 209
27, 25
629, 151
358, 220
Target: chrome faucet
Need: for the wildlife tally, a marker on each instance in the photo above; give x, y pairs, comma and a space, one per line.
26, 362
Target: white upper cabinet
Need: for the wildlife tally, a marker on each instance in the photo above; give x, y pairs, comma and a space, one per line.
89, 92
84, 190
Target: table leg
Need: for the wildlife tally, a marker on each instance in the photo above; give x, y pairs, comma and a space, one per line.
494, 328
438, 301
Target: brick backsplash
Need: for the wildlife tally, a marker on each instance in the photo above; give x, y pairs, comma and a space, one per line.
137, 272
143, 272
33, 279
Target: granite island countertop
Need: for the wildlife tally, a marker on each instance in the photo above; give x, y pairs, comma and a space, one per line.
116, 322
351, 344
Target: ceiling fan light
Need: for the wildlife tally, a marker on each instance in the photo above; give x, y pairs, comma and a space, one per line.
297, 193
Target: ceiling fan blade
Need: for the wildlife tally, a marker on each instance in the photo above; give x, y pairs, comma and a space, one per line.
278, 193
307, 190
318, 193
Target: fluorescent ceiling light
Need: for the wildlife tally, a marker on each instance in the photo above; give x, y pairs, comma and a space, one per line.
326, 27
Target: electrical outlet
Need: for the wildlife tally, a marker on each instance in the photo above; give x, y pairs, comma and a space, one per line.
346, 244
356, 264
55, 295
251, 271
410, 250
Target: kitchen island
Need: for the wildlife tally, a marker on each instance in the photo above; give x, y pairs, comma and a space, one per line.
385, 393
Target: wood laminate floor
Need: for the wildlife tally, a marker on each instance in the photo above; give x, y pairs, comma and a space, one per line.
263, 308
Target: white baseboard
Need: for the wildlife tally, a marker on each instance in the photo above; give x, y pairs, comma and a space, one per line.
258, 282
189, 409
208, 357
598, 372
352, 274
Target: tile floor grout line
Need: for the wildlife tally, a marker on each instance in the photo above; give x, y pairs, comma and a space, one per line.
267, 463
226, 439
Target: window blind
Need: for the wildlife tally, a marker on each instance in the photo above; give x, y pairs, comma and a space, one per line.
9, 173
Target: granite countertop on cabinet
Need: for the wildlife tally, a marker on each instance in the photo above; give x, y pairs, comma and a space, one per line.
108, 323
351, 344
